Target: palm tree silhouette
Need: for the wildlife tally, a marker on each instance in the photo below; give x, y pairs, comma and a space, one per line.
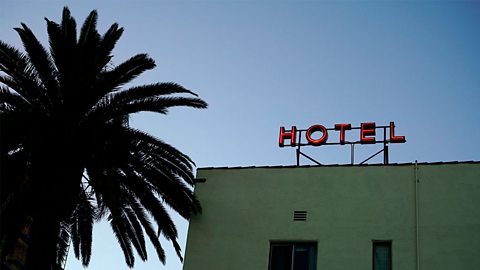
69, 157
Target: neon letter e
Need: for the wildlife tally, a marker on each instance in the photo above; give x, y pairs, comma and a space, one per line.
367, 129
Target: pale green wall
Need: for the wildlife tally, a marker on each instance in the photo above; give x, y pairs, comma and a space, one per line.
348, 207
450, 217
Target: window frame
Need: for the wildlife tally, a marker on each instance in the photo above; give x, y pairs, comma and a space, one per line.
387, 243
292, 245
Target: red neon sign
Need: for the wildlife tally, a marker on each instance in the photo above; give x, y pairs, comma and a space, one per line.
393, 138
367, 129
287, 135
342, 128
367, 134
313, 129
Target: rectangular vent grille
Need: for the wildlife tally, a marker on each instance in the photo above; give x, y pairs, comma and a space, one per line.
300, 216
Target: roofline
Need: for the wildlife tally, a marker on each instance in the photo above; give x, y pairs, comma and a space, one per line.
338, 165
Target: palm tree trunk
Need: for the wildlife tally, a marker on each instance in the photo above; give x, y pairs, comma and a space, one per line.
43, 243
16, 259
36, 245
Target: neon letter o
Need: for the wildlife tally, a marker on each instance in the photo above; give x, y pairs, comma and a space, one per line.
313, 129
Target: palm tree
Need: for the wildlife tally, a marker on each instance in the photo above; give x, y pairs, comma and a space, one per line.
69, 157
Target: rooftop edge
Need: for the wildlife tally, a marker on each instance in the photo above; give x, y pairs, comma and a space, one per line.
338, 165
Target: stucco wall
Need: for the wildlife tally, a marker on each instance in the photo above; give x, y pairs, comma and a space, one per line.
348, 207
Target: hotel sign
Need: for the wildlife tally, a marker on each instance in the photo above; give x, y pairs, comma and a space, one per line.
317, 135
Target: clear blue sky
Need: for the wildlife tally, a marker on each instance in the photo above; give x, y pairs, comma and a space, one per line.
265, 64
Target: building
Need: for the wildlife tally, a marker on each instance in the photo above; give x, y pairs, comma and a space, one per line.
400, 216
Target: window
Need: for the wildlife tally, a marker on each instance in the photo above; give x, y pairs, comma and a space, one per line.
382, 255
293, 256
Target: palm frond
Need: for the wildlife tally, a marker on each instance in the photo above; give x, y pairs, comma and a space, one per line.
105, 110
147, 226
15, 63
89, 33
136, 234
63, 243
42, 62
167, 185
155, 208
121, 234
152, 204
88, 58
113, 196
107, 43
63, 46
166, 160
69, 26
21, 72
150, 90
84, 214
12, 98
75, 236
125, 72
159, 144
9, 82
111, 80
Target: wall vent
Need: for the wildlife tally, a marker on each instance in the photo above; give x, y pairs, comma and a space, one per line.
300, 215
